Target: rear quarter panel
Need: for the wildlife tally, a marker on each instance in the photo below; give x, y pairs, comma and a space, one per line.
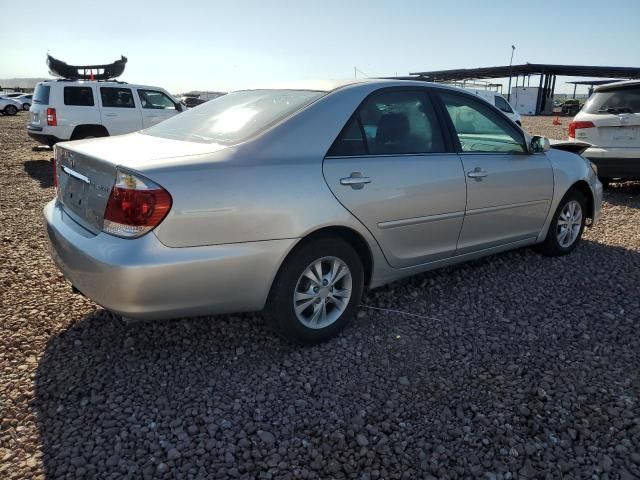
269, 188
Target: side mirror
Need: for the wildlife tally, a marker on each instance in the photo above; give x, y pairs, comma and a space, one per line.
539, 145
180, 107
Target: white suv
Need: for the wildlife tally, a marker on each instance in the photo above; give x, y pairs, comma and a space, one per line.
75, 109
610, 123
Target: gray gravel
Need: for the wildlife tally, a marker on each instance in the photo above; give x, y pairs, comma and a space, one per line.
519, 366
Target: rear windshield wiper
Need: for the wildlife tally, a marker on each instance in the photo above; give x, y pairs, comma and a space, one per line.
616, 110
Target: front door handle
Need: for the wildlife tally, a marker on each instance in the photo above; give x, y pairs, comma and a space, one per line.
477, 173
356, 181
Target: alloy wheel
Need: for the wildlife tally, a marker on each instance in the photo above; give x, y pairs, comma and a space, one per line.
322, 292
569, 224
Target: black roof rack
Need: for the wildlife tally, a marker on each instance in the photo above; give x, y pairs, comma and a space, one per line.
58, 68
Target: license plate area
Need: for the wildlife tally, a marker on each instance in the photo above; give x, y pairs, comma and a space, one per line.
625, 133
73, 193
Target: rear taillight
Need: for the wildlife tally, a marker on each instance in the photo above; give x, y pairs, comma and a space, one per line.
52, 121
573, 126
136, 206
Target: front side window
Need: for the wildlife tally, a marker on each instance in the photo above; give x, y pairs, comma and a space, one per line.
155, 100
78, 96
503, 105
393, 122
479, 128
234, 117
116, 97
620, 100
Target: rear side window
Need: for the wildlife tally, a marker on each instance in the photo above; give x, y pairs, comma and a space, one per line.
116, 97
623, 100
393, 122
41, 95
503, 105
78, 96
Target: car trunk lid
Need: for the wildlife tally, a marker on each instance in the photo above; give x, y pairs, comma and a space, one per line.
622, 130
86, 169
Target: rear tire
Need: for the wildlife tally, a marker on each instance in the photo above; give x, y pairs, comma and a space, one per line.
11, 110
307, 308
566, 226
26, 106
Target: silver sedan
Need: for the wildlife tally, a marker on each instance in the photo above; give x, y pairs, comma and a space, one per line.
293, 201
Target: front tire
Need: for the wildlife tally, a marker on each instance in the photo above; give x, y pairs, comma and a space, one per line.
10, 110
566, 226
316, 291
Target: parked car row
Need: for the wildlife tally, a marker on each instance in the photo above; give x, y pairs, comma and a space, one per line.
24, 99
296, 200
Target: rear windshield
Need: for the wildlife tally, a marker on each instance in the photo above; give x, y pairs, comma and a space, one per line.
41, 94
623, 100
234, 117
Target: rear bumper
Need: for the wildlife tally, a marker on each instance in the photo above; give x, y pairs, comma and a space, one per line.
615, 162
145, 279
43, 138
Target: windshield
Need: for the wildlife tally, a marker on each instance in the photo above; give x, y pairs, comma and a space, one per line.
623, 100
234, 117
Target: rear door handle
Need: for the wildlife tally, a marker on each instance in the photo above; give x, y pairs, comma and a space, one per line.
110, 114
477, 173
356, 181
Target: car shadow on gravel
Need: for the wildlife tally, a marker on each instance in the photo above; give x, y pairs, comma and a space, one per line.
623, 194
520, 353
40, 170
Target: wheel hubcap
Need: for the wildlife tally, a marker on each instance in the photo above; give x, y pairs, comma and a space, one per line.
569, 224
322, 293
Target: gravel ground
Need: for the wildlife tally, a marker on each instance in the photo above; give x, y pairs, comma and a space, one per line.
515, 366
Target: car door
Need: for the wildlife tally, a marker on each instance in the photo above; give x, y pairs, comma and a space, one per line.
393, 168
509, 189
156, 106
119, 111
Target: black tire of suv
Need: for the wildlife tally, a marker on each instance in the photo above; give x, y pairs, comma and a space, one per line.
10, 110
551, 247
88, 132
280, 312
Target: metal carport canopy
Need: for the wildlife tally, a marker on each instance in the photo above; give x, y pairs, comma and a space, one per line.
530, 69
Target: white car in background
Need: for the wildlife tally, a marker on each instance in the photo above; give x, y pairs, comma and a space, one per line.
497, 100
610, 123
9, 106
76, 109
23, 98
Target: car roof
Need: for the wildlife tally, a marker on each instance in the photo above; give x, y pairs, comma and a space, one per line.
616, 85
331, 85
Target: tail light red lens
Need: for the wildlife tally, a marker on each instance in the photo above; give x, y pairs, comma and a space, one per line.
136, 206
52, 120
573, 126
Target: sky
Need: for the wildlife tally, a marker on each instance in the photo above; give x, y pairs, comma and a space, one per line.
229, 45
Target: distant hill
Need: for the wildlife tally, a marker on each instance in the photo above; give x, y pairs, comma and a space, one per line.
20, 82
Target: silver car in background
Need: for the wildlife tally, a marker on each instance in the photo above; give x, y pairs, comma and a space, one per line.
295, 200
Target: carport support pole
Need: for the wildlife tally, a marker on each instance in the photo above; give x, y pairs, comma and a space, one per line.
538, 96
553, 88
575, 85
